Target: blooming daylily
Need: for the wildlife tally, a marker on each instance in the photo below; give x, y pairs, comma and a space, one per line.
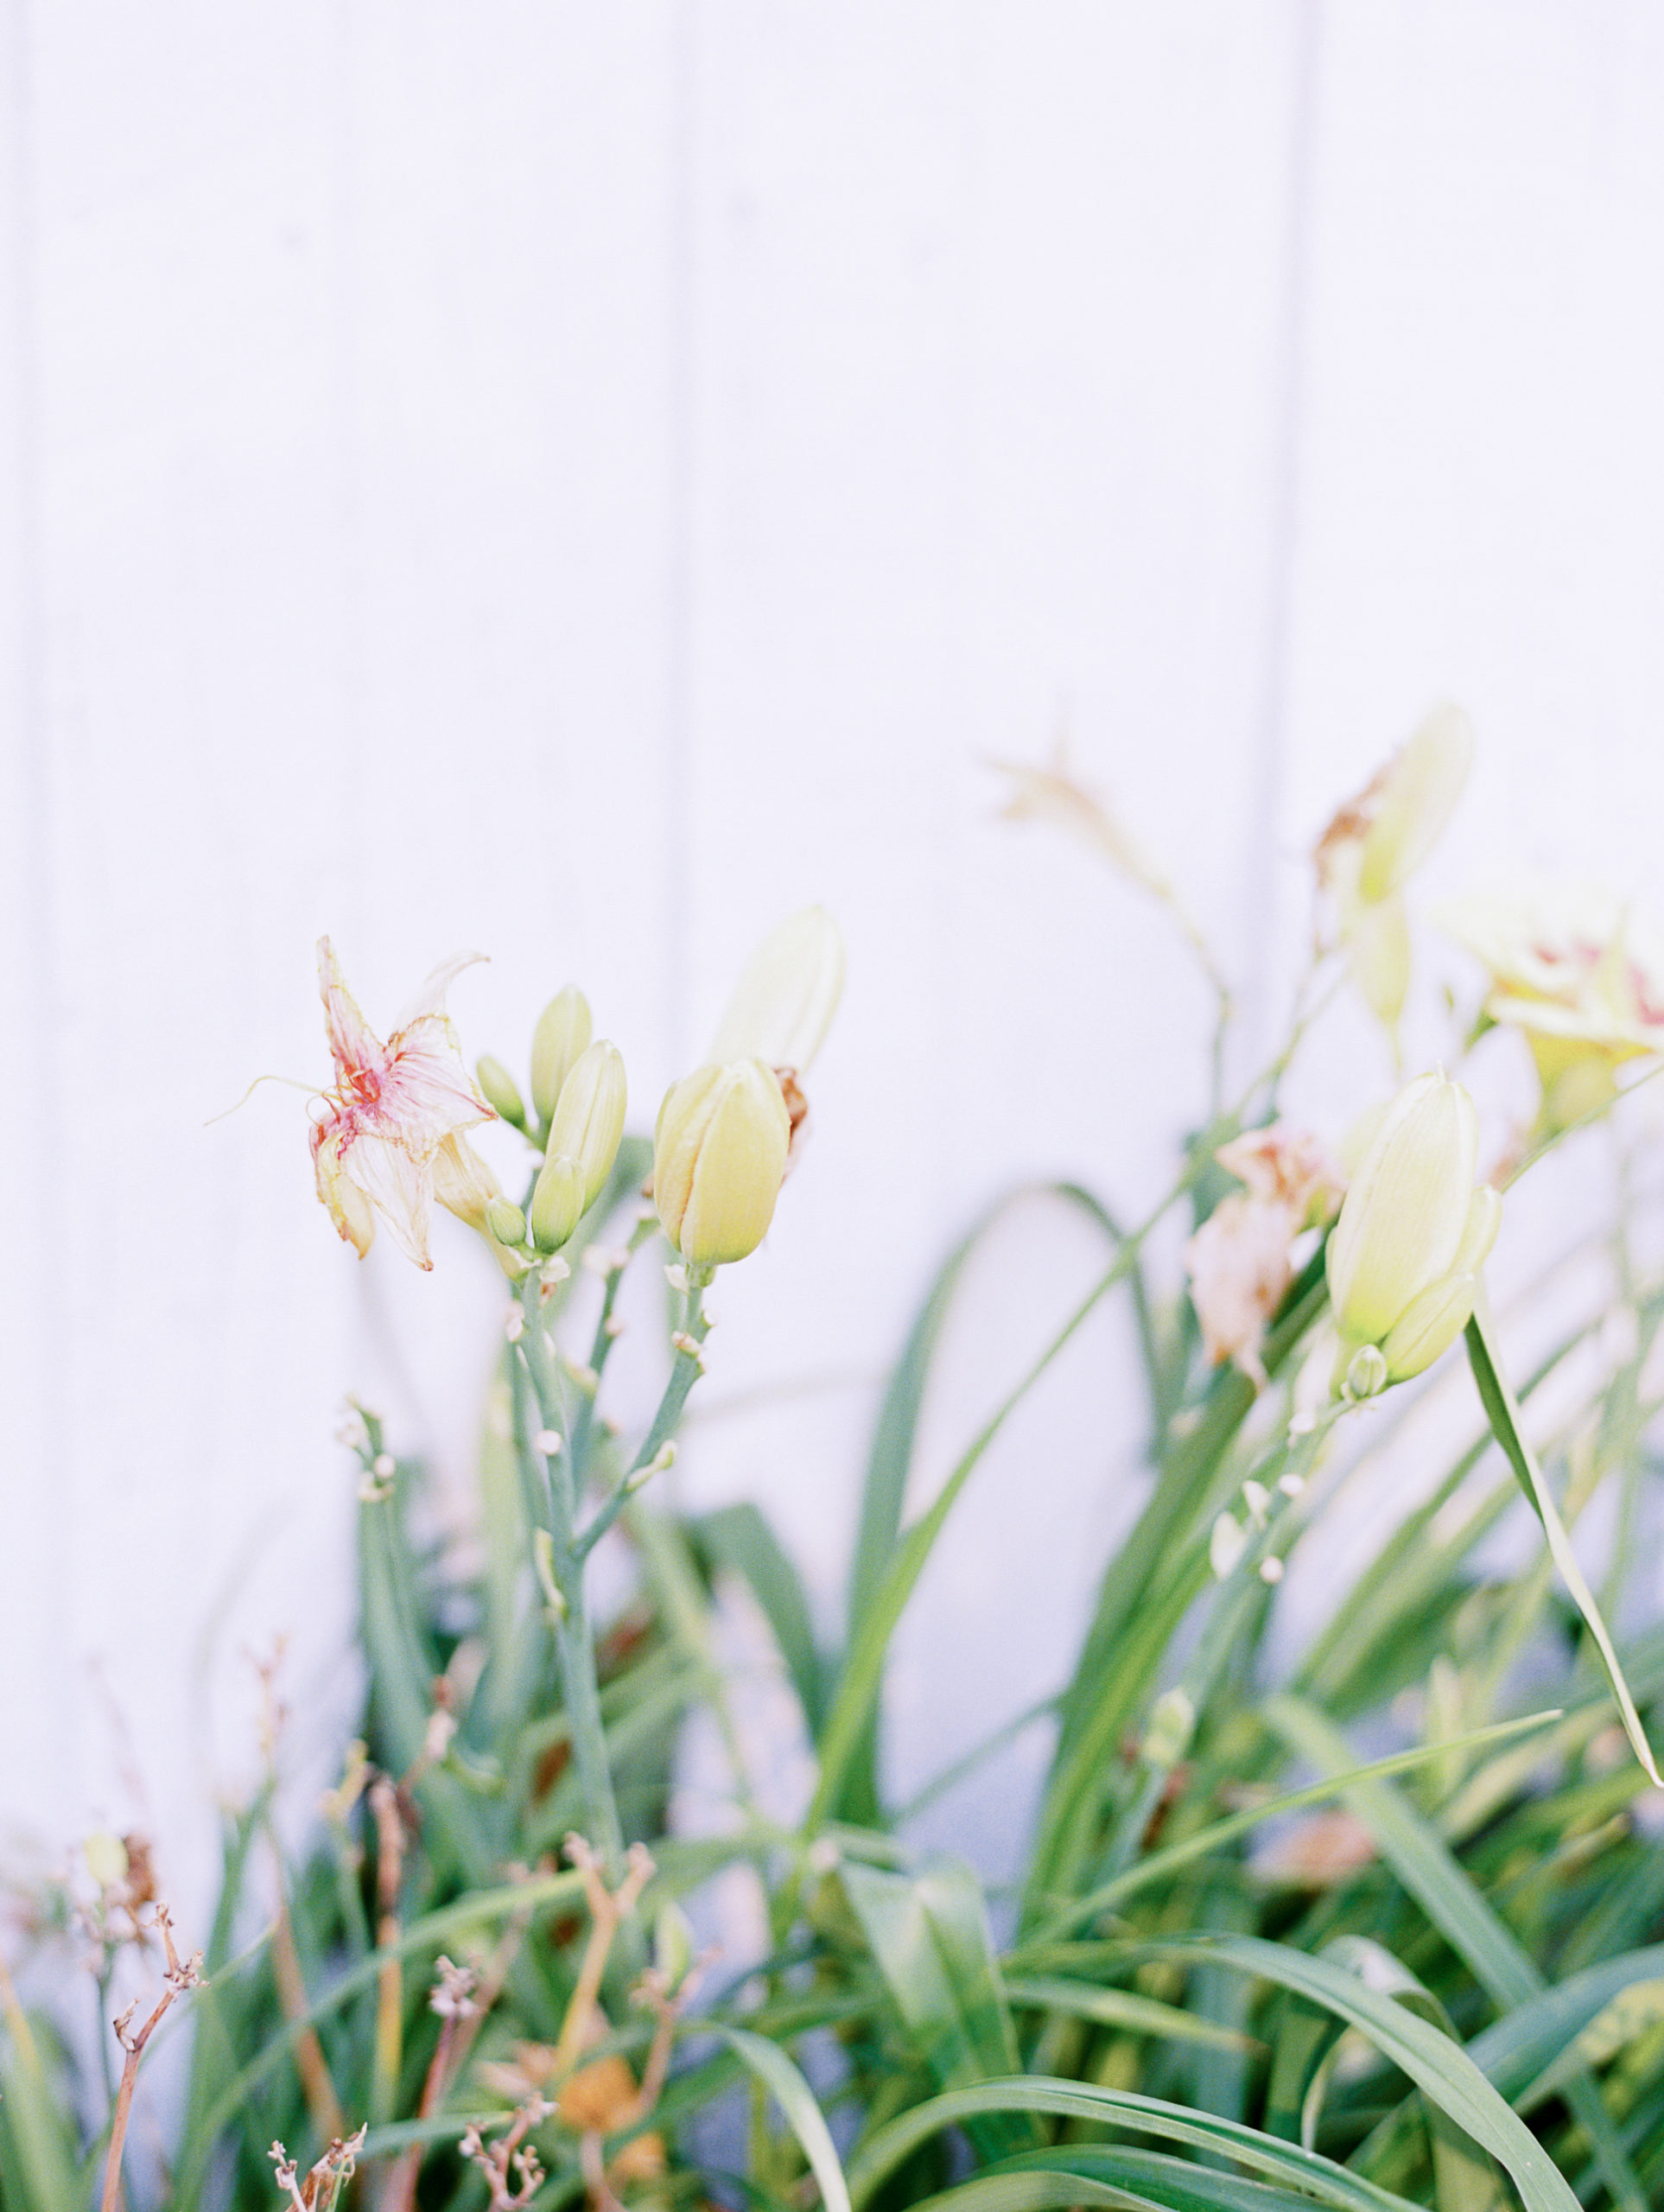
1583, 980
386, 1140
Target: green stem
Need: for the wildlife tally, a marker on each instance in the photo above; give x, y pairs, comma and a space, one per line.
554, 1474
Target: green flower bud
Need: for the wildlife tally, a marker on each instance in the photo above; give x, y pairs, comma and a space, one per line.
505, 1221
556, 1201
588, 1118
673, 1947
501, 1090
562, 1032
718, 1156
1366, 1372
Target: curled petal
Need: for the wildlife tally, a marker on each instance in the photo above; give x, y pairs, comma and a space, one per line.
431, 999
354, 1045
351, 1211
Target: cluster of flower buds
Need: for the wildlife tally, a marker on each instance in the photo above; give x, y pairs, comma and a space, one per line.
386, 1141
724, 1133
1404, 1257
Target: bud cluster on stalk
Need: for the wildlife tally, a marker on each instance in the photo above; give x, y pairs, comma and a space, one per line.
1404, 1257
579, 1095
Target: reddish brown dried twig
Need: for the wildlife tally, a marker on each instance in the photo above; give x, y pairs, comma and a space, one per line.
179, 1976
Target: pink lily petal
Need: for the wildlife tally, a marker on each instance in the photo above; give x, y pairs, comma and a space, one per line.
401, 1190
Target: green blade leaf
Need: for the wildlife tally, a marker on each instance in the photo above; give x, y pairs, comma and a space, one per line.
1288, 2163
741, 1538
797, 2100
929, 1934
1440, 2067
1502, 1411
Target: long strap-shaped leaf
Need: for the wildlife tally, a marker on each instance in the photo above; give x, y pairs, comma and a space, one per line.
1288, 2163
1440, 2069
797, 2100
1502, 1411
872, 1586
1429, 1871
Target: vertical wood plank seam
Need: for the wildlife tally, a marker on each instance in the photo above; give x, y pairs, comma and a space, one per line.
40, 948
1261, 907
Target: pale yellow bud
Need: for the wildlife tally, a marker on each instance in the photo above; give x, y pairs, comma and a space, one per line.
588, 1118
1404, 1258
1401, 1226
785, 1001
107, 1858
1427, 1326
556, 1201
1414, 797
563, 1031
500, 1090
719, 1155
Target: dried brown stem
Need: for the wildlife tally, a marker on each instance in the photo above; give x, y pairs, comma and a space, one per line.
309, 2060
179, 1976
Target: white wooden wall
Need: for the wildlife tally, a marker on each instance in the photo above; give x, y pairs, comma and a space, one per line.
582, 480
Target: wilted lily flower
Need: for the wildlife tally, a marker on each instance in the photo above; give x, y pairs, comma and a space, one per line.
1404, 1258
1240, 1261
385, 1140
1581, 978
1377, 841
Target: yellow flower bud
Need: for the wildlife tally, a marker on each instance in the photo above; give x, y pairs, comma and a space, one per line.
719, 1155
107, 1858
501, 1090
564, 1032
556, 1201
1404, 1257
785, 999
588, 1119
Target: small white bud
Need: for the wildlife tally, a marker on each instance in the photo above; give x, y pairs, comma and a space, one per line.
1225, 1545
1271, 1570
1291, 1485
384, 1467
547, 1441
1257, 1498
515, 1327
676, 1276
